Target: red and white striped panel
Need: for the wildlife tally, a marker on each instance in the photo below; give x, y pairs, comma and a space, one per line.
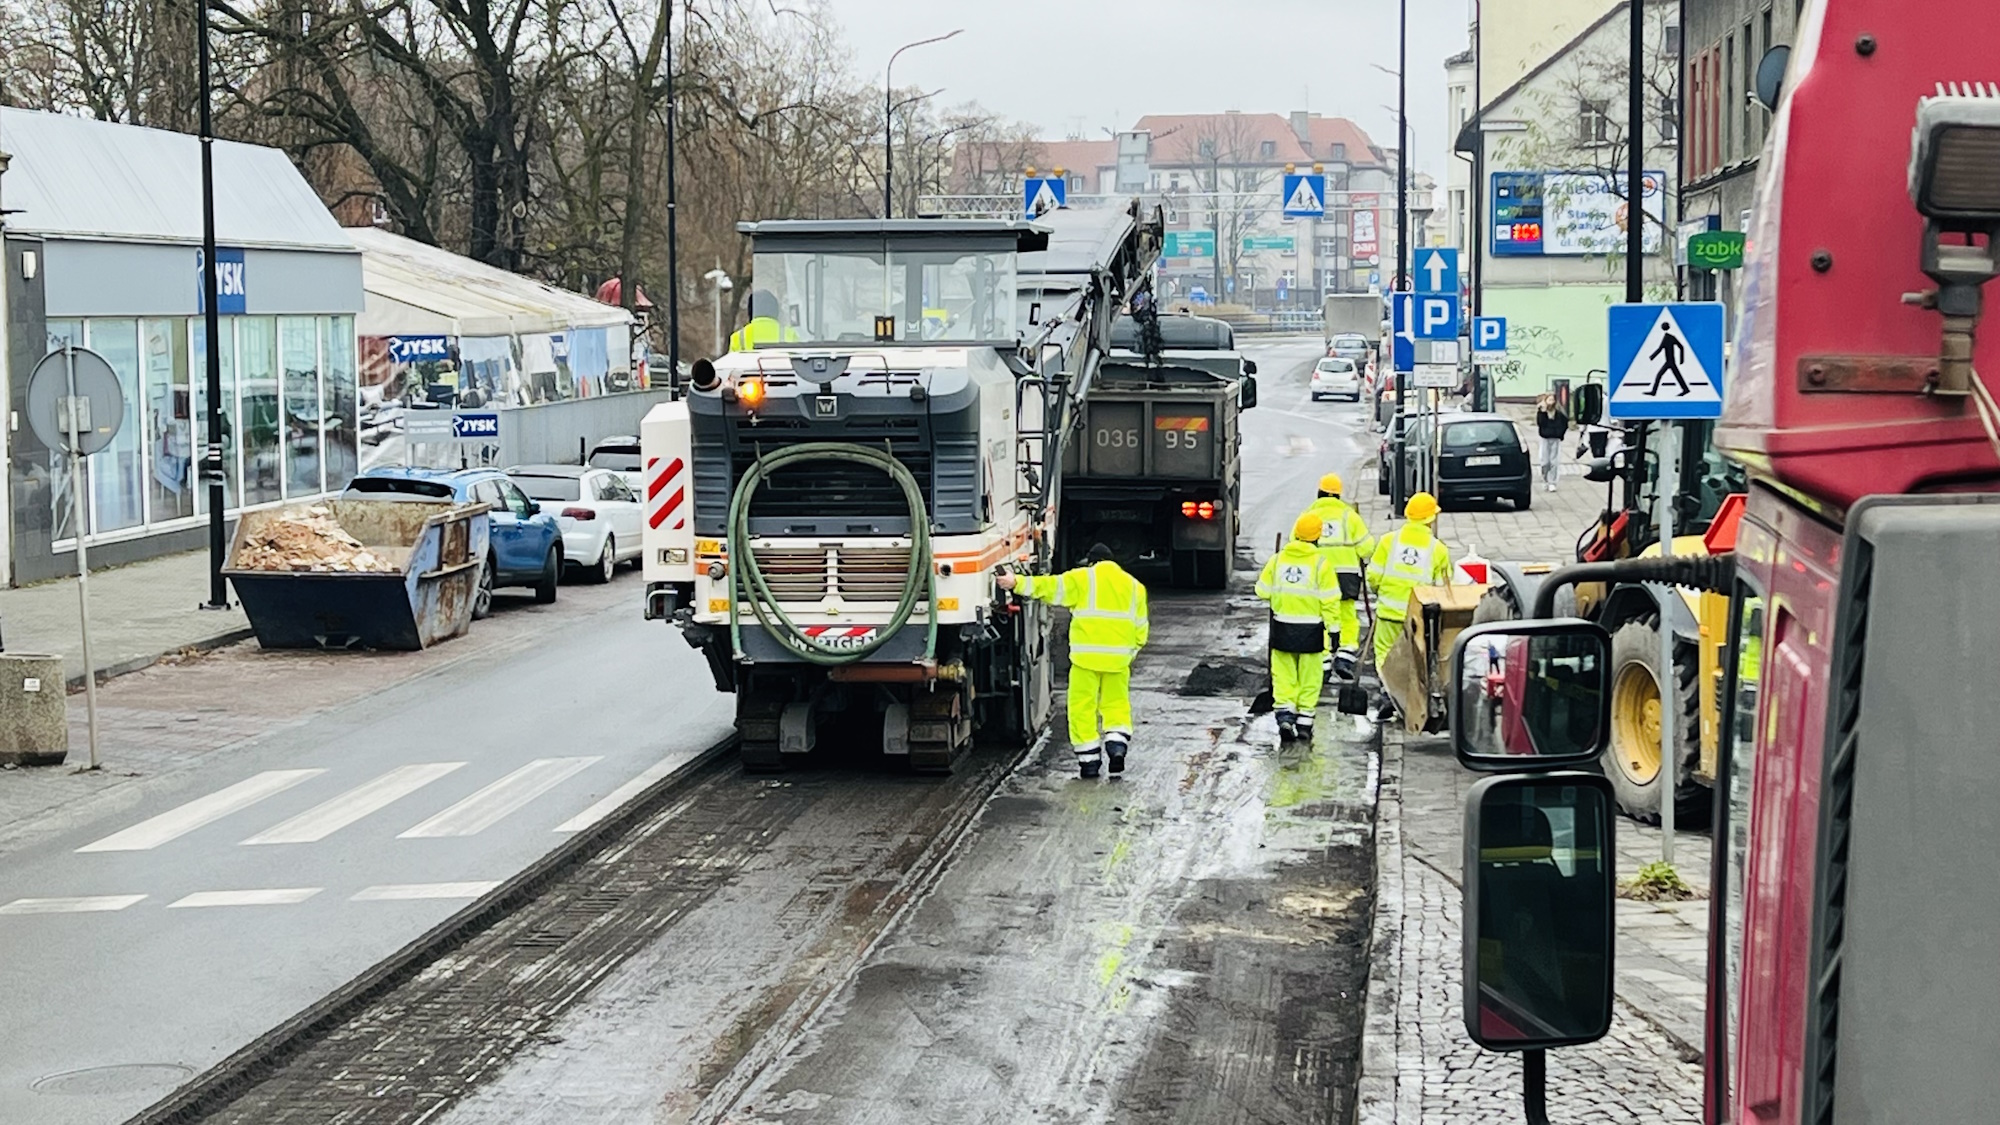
841, 632
666, 492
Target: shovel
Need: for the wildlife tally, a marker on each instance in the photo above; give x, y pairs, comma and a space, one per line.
1354, 697
1265, 702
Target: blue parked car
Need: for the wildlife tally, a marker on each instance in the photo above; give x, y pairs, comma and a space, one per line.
524, 545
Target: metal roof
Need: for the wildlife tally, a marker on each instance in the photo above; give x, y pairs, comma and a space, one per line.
414, 289
73, 177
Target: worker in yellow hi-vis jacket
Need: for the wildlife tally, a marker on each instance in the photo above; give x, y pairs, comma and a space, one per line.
1107, 627
1346, 541
1412, 557
1303, 586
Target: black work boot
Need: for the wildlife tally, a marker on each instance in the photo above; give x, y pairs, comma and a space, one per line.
1114, 749
1286, 730
1089, 762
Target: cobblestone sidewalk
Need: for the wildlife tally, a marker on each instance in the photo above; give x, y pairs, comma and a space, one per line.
138, 613
1419, 1067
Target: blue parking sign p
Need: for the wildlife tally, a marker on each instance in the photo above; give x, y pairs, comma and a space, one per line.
1436, 317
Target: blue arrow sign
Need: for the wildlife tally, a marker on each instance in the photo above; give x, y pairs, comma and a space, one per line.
1666, 361
1434, 316
1489, 339
1437, 271
1305, 196
1404, 346
1041, 194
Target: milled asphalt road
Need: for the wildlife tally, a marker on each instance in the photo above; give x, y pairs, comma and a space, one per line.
232, 895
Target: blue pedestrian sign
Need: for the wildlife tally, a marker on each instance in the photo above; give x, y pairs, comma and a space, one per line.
1305, 196
475, 426
1042, 194
1666, 361
1435, 316
1437, 271
1489, 339
1403, 349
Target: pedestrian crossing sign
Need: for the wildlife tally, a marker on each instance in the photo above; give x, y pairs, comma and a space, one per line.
1042, 194
1305, 196
1666, 361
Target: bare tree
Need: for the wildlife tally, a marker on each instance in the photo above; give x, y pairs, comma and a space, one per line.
1226, 146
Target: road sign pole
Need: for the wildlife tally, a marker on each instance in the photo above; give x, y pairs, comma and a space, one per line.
1670, 765
71, 408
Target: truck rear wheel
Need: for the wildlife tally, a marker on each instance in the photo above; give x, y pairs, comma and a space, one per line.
1633, 763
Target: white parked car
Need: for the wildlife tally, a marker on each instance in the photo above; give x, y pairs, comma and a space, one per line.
1334, 376
599, 514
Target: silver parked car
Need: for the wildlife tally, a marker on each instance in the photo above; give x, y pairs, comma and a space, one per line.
598, 512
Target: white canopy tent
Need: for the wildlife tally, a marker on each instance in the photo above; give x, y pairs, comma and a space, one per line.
412, 289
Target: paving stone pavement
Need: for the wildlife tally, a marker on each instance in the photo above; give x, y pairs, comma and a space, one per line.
137, 613
1418, 1065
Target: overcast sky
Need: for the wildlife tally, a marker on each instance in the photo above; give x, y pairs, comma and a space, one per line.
1082, 66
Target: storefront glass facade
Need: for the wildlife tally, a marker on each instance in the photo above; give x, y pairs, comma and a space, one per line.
288, 406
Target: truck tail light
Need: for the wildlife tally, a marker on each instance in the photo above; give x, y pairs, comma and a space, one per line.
1206, 510
1203, 510
579, 514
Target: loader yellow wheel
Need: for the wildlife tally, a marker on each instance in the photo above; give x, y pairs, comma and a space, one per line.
1633, 763
1635, 722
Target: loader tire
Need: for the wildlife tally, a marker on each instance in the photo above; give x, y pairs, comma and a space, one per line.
1633, 761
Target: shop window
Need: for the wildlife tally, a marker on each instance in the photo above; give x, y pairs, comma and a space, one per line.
298, 348
117, 474
169, 437
257, 388
338, 405
232, 463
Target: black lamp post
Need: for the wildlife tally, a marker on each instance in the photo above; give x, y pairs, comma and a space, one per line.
211, 460
889, 121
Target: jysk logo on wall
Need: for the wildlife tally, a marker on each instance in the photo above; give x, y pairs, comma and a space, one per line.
232, 282
416, 349
475, 425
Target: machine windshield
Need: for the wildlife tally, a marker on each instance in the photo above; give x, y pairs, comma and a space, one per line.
930, 295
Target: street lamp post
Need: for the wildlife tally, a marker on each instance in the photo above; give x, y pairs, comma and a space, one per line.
889, 121
719, 278
1398, 494
211, 459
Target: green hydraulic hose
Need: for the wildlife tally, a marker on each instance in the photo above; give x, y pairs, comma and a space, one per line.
747, 578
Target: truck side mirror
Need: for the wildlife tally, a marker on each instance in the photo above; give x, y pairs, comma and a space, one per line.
1530, 695
1247, 398
1539, 907
1600, 470
1589, 404
1249, 367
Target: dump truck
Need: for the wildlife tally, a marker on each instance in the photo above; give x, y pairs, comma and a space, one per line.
1356, 313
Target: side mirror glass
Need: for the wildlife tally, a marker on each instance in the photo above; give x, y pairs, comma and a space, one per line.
1771, 75
1248, 397
1531, 695
1540, 900
1249, 367
1589, 404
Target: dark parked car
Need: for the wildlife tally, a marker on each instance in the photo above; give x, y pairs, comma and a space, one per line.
525, 544
1480, 457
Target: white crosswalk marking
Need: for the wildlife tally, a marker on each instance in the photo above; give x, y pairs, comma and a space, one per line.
178, 822
490, 805
85, 904
273, 896
321, 821
406, 892
617, 797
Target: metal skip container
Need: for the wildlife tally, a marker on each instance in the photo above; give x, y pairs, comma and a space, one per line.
343, 574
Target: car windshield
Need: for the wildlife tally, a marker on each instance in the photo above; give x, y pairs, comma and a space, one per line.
617, 460
549, 488
393, 487
1464, 435
837, 294
1336, 365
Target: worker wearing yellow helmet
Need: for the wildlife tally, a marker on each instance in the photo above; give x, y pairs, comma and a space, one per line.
1344, 541
1303, 588
1412, 557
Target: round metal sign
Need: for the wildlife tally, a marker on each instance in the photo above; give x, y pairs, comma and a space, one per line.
99, 401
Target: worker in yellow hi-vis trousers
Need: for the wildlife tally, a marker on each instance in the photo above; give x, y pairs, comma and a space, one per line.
1412, 557
1344, 541
1303, 588
1107, 627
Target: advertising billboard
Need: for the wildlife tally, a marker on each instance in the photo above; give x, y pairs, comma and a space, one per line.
1362, 239
1548, 214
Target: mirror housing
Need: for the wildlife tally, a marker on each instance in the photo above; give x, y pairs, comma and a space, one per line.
1600, 470
1588, 404
702, 376
1247, 398
1539, 910
1530, 696
1249, 367
534, 508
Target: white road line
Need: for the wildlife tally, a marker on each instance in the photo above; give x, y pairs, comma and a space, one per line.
1346, 425
487, 807
85, 904
324, 820
404, 892
617, 797
272, 896
178, 822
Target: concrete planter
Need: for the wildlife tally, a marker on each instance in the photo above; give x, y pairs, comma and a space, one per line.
34, 710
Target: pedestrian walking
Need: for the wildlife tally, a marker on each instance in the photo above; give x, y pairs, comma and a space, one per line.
1303, 587
1412, 557
1107, 628
1552, 425
1344, 541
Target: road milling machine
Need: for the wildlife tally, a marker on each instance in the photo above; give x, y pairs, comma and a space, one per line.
825, 513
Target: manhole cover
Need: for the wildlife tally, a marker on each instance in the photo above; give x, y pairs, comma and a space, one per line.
125, 1078
1213, 677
